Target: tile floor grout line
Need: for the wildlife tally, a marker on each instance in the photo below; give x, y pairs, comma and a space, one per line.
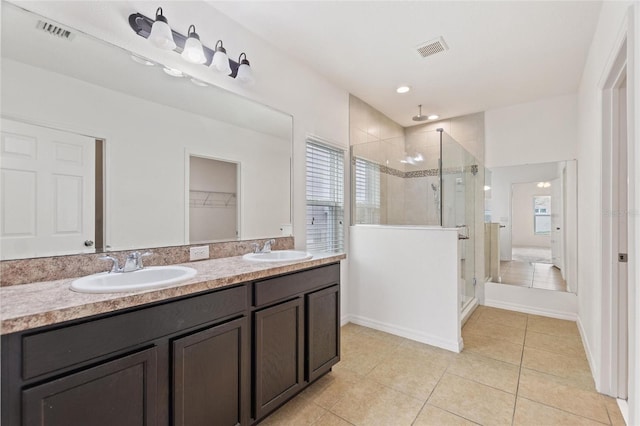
564, 411
515, 401
331, 412
480, 383
440, 408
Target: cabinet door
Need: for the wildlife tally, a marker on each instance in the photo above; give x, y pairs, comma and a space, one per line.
120, 392
323, 331
278, 346
210, 375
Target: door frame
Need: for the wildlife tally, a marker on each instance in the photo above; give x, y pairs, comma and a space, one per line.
613, 326
188, 153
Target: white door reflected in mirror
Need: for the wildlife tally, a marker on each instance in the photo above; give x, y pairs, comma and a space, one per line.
48, 192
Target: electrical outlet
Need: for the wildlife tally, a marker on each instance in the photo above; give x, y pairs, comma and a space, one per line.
199, 253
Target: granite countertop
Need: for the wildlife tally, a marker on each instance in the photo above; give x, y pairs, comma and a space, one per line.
28, 306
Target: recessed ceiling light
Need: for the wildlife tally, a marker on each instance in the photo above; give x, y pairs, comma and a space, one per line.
433, 117
142, 61
199, 82
403, 89
173, 72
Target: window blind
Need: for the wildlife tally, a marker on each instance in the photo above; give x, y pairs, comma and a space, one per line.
325, 197
367, 191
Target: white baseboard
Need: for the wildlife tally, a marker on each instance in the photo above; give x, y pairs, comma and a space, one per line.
345, 320
571, 316
624, 409
468, 310
595, 372
416, 335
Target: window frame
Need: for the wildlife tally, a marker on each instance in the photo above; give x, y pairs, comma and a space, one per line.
333, 199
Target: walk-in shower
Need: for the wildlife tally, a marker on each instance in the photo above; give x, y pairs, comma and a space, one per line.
422, 179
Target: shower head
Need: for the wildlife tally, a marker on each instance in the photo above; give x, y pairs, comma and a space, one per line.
420, 117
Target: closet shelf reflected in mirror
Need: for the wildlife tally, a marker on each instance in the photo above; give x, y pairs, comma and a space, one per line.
211, 199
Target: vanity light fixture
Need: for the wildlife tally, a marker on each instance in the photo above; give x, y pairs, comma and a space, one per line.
433, 117
190, 47
220, 61
161, 34
403, 89
544, 184
245, 73
192, 51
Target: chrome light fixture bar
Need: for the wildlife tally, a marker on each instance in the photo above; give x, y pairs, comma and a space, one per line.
142, 26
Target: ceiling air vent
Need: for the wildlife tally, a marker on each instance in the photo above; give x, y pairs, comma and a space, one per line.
55, 30
432, 47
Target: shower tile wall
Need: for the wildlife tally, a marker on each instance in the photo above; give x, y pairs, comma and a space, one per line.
369, 125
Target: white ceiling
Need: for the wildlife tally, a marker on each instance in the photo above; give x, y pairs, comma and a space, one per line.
500, 53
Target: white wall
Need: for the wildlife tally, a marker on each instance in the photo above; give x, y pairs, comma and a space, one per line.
395, 290
145, 158
533, 132
318, 106
611, 27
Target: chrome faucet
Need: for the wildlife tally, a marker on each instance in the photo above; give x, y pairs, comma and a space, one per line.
265, 249
132, 263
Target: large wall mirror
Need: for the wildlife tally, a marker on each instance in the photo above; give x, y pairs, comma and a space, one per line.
102, 150
531, 225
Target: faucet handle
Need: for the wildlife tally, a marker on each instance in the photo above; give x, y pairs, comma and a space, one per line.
136, 258
140, 256
256, 247
115, 267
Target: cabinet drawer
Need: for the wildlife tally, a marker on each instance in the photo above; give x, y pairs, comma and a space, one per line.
63, 347
280, 288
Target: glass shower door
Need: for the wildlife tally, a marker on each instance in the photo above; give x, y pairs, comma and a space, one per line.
458, 193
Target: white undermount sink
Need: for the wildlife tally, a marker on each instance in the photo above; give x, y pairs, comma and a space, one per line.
143, 279
278, 256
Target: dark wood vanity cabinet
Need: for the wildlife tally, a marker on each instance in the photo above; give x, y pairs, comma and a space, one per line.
323, 331
296, 334
208, 376
119, 392
278, 354
224, 357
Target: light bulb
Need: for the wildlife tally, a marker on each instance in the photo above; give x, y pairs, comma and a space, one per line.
245, 74
220, 60
161, 35
193, 48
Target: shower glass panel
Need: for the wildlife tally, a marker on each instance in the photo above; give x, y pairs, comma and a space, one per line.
396, 183
425, 179
459, 188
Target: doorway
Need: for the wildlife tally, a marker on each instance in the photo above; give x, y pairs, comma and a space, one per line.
213, 200
615, 229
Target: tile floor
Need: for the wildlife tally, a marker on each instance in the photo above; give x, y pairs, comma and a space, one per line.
516, 369
534, 275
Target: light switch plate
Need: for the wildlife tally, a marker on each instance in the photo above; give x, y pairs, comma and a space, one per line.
199, 253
